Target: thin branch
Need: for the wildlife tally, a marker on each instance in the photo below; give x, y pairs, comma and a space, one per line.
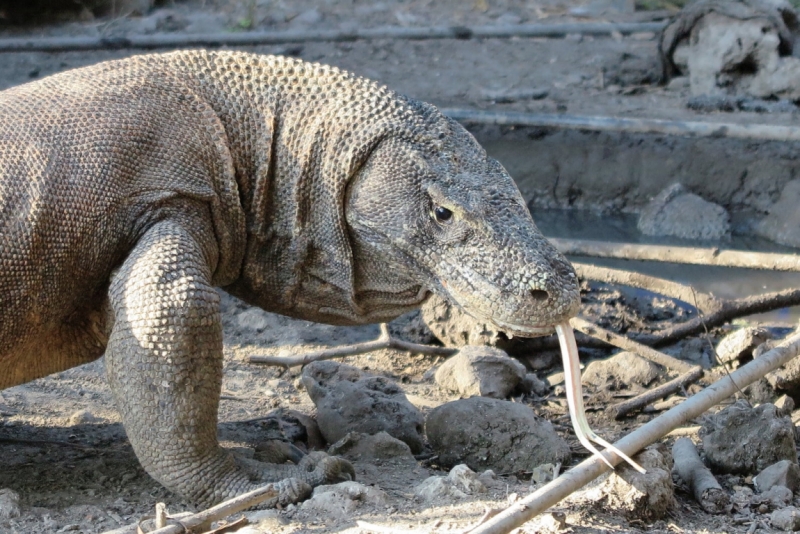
597, 332
622, 409
384, 341
690, 255
589, 469
702, 301
730, 309
202, 520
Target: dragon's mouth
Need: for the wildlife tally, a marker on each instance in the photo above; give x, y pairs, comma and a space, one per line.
524, 330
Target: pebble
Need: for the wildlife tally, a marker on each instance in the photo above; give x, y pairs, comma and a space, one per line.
784, 473
620, 370
482, 371
786, 519
357, 446
9, 504
741, 343
782, 224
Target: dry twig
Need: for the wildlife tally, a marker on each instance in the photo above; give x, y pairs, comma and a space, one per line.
597, 332
385, 341
638, 402
698, 477
589, 469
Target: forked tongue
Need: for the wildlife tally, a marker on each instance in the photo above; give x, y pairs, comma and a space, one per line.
572, 376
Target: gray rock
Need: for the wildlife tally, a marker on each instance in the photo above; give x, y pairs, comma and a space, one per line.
782, 224
740, 344
350, 400
466, 479
493, 434
201, 22
679, 213
621, 370
366, 447
532, 384
482, 371
82, 417
786, 519
459, 482
776, 497
785, 405
745, 440
783, 473
9, 504
635, 495
341, 500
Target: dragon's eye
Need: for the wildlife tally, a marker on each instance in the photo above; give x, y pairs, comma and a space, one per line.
442, 215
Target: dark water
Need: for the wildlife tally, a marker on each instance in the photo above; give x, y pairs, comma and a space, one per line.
723, 282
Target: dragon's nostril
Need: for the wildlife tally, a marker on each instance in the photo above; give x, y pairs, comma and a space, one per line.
539, 295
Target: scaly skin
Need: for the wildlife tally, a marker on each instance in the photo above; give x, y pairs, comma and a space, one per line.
130, 189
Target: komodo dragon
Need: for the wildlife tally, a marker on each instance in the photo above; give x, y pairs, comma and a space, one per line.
130, 189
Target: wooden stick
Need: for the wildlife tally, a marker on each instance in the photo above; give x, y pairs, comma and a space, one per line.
618, 124
638, 402
589, 469
384, 341
172, 40
597, 332
707, 303
694, 256
204, 519
698, 477
132, 529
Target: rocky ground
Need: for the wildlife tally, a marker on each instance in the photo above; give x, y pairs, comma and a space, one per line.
67, 465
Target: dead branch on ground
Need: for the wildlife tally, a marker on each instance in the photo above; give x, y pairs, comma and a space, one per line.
638, 402
705, 488
385, 341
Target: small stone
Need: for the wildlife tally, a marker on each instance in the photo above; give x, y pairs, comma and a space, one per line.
785, 405
786, 519
784, 473
482, 371
678, 83
635, 495
487, 477
82, 417
435, 488
679, 213
777, 497
9, 504
622, 370
532, 384
542, 474
466, 479
744, 440
739, 345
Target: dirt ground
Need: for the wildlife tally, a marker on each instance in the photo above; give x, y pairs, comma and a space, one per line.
62, 447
